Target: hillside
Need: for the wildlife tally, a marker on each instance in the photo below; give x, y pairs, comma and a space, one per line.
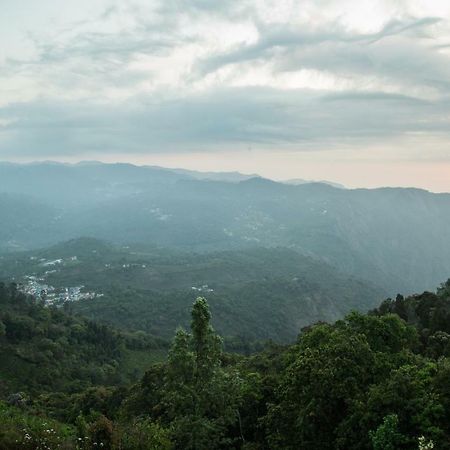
46, 350
387, 375
255, 294
23, 218
395, 238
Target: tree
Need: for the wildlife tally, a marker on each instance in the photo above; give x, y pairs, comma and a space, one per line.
331, 368
101, 433
444, 289
410, 393
323, 391
387, 436
202, 397
143, 434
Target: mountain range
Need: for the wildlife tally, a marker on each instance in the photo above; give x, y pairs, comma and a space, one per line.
396, 238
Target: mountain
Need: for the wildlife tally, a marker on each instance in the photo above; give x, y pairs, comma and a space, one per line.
25, 221
395, 238
298, 181
231, 177
84, 184
151, 289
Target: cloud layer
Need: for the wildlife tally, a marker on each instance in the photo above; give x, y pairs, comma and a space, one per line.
201, 75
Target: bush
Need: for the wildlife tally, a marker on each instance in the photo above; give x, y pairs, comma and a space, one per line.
22, 431
144, 434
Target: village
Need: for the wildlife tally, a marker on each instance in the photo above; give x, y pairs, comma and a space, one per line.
38, 287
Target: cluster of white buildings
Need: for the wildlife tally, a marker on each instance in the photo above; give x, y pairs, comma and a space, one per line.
204, 288
54, 296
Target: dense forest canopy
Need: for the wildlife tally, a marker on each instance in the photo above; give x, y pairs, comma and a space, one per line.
152, 289
45, 349
369, 381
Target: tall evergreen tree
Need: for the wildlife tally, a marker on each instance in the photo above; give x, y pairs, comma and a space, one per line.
202, 396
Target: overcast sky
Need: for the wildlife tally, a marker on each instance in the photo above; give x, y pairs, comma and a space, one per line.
354, 91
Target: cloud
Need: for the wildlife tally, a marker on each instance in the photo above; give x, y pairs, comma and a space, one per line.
216, 120
399, 53
184, 75
286, 36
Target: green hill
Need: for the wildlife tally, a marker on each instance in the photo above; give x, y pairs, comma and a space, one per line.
365, 382
46, 350
151, 289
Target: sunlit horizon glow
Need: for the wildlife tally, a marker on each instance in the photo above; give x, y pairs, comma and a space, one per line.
355, 92
430, 176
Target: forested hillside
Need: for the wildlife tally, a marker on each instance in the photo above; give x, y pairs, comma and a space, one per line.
396, 238
374, 381
255, 294
46, 350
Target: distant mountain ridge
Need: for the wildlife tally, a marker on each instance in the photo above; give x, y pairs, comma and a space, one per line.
397, 238
298, 181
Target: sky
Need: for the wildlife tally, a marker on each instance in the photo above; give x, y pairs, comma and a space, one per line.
351, 91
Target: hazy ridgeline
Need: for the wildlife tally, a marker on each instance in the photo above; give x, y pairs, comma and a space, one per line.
397, 239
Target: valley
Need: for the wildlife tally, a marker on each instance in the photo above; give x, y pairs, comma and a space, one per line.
394, 238
275, 292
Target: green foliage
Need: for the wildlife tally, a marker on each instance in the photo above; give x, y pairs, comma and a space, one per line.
386, 436
202, 397
150, 289
444, 289
20, 430
101, 433
344, 379
366, 382
143, 434
430, 315
46, 350
331, 366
